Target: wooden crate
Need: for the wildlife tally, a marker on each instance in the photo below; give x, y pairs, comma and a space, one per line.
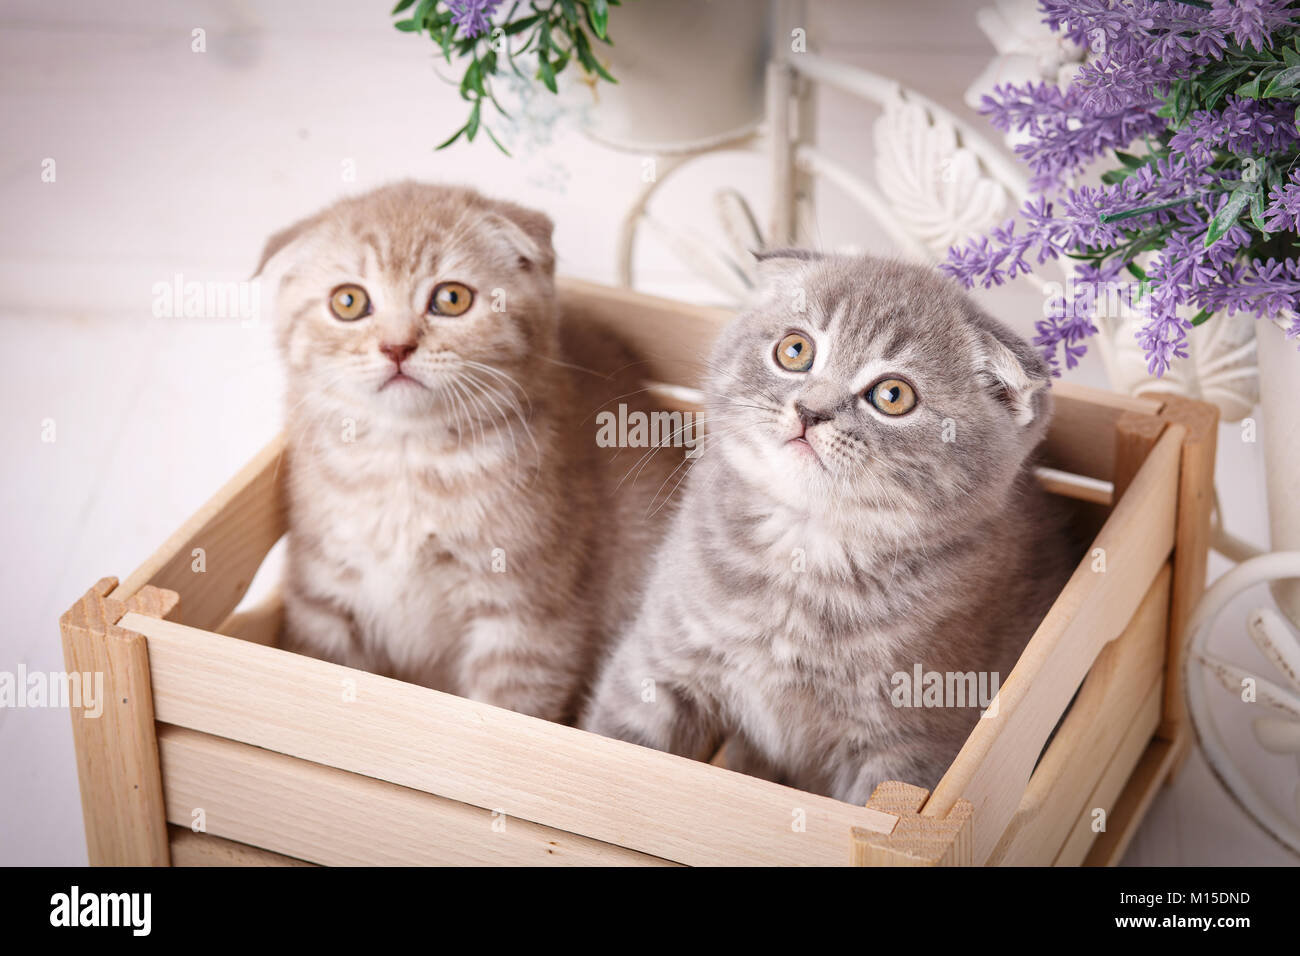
277, 758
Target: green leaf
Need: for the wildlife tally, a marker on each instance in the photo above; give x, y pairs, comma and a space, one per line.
1182, 102
585, 57
1257, 209
401, 5
1284, 84
1250, 90
1200, 317
471, 128
471, 81
1216, 90
598, 17
451, 139
519, 26
407, 26
492, 137
546, 73
1226, 217
570, 12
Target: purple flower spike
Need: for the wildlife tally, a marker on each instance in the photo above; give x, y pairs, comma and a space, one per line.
472, 16
1193, 101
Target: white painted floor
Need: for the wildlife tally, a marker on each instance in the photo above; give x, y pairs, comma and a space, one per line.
170, 161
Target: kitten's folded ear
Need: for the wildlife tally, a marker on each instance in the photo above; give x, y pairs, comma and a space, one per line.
280, 248
774, 263
781, 271
1016, 374
527, 232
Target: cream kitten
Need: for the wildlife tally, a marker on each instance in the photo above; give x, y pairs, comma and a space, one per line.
865, 506
451, 520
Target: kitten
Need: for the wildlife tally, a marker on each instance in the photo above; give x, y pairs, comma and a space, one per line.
452, 521
866, 505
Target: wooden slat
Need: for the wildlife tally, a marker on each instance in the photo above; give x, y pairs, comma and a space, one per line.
204, 849
261, 624
1192, 545
671, 335
1118, 772
235, 529
305, 810
993, 767
1081, 436
1135, 436
117, 755
918, 840
1100, 716
610, 790
1128, 811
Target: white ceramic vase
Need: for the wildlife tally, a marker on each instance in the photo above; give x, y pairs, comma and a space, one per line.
690, 72
1279, 433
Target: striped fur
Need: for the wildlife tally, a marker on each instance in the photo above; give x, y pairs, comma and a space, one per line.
793, 587
467, 535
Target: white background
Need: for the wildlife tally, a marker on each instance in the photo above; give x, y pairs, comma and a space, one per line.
169, 161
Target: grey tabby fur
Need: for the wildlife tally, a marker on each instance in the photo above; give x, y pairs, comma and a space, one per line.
792, 587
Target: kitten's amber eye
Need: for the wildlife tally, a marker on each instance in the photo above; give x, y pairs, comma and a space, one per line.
795, 352
892, 396
349, 303
450, 298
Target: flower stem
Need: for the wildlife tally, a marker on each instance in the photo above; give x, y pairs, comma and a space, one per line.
1108, 217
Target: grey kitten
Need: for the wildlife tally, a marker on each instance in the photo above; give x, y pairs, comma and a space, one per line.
865, 506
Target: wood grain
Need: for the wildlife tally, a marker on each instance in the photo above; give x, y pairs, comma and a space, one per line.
203, 849
331, 817
235, 528
1081, 436
1096, 724
117, 754
918, 840
561, 777
1191, 554
1128, 811
994, 766
672, 336
1110, 786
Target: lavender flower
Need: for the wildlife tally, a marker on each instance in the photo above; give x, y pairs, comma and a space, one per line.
1200, 215
1065, 136
1243, 127
1283, 210
472, 16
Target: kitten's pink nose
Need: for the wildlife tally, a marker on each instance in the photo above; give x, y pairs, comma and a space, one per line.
811, 416
400, 352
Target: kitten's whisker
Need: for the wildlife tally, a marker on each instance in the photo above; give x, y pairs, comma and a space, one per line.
504, 377
482, 391
491, 395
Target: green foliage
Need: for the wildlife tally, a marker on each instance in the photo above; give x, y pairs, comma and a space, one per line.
553, 34
1271, 74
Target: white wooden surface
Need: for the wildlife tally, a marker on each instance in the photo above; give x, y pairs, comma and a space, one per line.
173, 161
